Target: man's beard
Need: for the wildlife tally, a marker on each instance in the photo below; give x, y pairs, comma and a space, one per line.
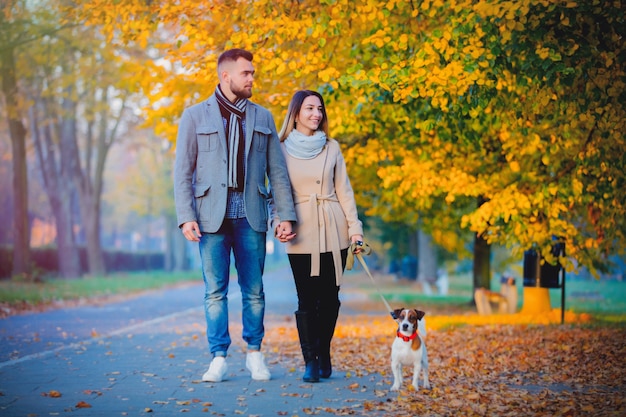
241, 93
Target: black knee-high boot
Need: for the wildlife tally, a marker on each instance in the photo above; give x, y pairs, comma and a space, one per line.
309, 342
327, 321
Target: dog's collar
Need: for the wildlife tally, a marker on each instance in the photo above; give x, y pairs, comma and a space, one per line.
407, 338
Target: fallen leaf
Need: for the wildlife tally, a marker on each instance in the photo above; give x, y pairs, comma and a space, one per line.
52, 394
82, 404
544, 369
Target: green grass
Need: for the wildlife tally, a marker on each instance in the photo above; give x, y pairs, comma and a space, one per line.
590, 296
600, 298
606, 299
12, 291
15, 291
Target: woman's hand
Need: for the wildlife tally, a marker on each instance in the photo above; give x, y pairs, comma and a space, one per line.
284, 232
358, 241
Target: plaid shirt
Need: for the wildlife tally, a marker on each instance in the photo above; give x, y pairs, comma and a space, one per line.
234, 205
235, 208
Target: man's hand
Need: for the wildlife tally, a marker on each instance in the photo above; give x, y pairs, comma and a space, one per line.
191, 231
284, 232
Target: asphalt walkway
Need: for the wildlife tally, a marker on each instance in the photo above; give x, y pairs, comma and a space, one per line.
146, 355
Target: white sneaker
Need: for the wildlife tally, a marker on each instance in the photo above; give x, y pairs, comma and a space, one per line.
256, 365
217, 370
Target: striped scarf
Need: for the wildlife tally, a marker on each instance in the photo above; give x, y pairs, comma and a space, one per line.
234, 133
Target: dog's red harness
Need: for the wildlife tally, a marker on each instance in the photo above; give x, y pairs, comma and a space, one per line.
407, 338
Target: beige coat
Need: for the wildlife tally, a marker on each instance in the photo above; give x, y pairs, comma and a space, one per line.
325, 207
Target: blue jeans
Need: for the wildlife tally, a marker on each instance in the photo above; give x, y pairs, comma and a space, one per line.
248, 247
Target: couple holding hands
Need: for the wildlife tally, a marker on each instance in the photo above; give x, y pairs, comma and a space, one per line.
227, 148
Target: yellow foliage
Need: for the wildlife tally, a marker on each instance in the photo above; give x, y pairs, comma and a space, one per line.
553, 317
430, 116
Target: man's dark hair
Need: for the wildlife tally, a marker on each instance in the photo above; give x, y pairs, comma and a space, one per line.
234, 55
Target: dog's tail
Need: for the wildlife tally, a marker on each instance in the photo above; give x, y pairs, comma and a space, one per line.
421, 327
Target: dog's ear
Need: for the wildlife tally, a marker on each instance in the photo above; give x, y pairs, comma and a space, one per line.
396, 313
420, 314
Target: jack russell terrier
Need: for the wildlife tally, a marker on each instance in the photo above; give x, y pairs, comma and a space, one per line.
409, 348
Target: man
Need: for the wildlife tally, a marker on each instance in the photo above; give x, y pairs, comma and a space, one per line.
226, 148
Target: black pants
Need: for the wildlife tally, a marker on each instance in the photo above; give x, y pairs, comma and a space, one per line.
316, 294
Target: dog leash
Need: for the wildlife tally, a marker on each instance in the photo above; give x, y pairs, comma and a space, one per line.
366, 249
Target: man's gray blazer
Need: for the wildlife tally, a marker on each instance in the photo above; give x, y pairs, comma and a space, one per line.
201, 170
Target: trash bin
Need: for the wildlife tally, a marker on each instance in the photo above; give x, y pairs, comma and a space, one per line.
546, 275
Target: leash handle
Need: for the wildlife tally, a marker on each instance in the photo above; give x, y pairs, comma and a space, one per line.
365, 249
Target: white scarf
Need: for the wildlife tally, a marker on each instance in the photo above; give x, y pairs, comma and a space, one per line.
301, 146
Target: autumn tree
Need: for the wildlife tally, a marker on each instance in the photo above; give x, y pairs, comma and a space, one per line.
78, 106
19, 27
520, 107
141, 187
21, 230
516, 105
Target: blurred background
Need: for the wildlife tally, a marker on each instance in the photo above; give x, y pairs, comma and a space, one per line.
472, 134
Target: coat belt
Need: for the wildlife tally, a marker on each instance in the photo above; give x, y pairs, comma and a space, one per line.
326, 223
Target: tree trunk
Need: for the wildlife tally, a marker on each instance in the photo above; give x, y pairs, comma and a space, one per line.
68, 252
90, 198
70, 156
482, 260
59, 191
427, 259
91, 180
21, 231
482, 263
91, 219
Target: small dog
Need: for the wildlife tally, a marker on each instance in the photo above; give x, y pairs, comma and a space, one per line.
409, 348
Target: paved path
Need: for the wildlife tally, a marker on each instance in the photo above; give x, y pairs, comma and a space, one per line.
145, 356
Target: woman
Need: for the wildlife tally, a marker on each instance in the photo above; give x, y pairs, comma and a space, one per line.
327, 224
